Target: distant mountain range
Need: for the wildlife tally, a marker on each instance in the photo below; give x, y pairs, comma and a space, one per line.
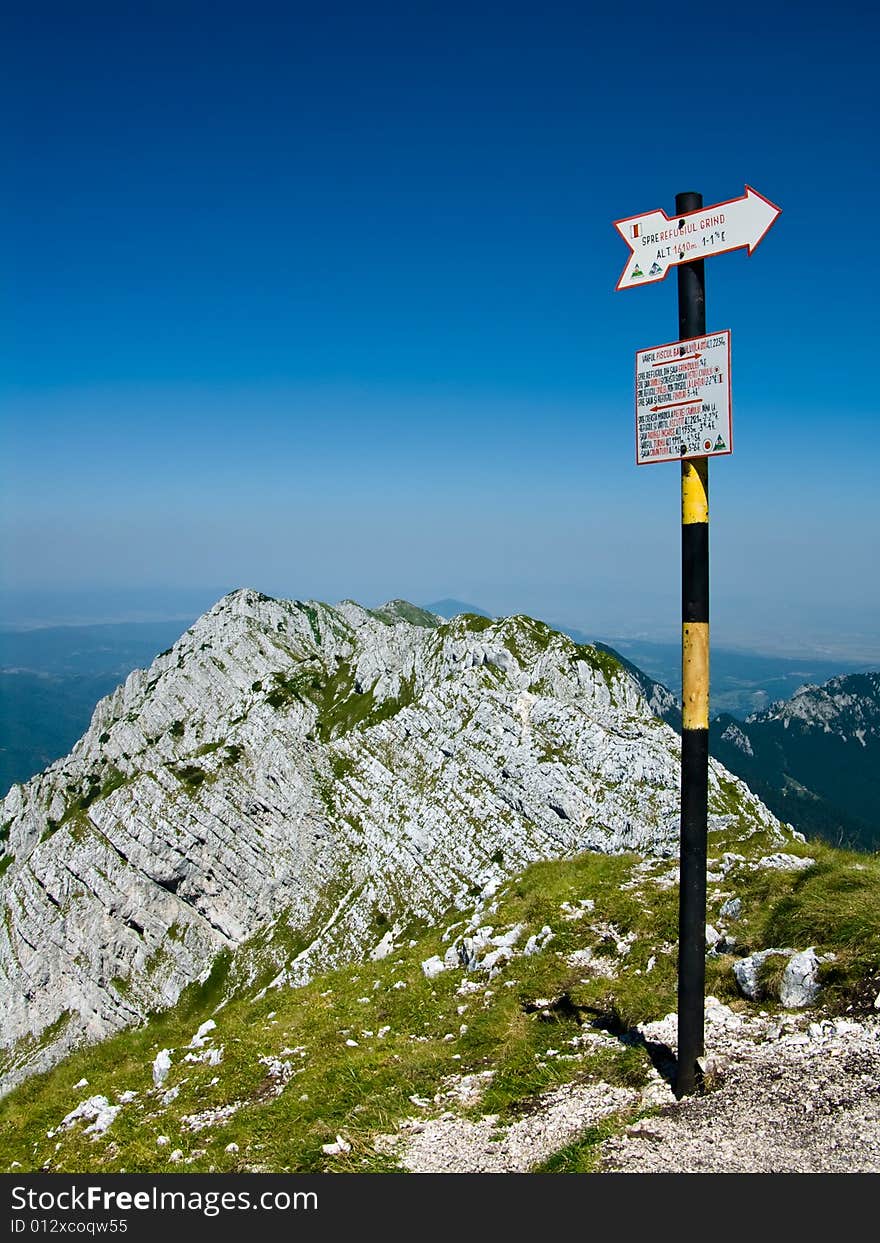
814, 758
454, 608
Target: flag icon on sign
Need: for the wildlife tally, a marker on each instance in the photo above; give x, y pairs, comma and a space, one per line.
634, 230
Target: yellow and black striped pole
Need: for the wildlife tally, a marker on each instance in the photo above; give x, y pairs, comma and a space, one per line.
695, 704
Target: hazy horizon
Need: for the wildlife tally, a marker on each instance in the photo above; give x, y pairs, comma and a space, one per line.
26, 610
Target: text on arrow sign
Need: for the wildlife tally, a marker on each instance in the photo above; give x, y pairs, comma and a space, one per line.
659, 242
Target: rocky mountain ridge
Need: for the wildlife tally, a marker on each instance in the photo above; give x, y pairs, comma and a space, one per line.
307, 779
847, 706
814, 758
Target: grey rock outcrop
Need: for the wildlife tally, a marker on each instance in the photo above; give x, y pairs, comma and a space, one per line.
781, 861
747, 970
799, 986
800, 982
302, 778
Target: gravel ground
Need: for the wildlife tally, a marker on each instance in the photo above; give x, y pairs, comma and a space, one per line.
785, 1094
453, 1145
805, 1099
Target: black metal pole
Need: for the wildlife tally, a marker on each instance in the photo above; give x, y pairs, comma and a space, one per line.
695, 704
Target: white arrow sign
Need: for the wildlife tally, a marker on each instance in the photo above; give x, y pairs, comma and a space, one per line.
659, 242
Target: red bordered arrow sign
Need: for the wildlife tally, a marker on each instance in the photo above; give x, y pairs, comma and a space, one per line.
659, 242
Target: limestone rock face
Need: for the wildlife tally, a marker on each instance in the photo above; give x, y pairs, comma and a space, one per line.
321, 772
800, 983
746, 970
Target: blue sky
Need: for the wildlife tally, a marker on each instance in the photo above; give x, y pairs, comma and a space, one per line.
321, 300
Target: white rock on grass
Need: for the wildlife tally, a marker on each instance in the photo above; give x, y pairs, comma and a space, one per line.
97, 1111
746, 970
800, 982
507, 940
161, 1067
209, 1117
278, 1069
539, 940
433, 967
383, 948
584, 906
337, 1149
211, 1056
783, 862
493, 960
198, 1039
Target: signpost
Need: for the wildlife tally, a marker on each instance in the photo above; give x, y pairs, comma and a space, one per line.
659, 243
683, 414
683, 400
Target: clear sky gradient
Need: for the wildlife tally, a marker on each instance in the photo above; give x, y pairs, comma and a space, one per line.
320, 300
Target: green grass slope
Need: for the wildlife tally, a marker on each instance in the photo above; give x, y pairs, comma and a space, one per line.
285, 1071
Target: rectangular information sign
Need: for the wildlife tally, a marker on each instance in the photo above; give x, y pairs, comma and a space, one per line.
683, 399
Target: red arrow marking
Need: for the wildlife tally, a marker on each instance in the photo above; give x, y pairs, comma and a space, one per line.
696, 401
667, 362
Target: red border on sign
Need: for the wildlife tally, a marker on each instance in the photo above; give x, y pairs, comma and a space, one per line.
749, 246
722, 332
778, 210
